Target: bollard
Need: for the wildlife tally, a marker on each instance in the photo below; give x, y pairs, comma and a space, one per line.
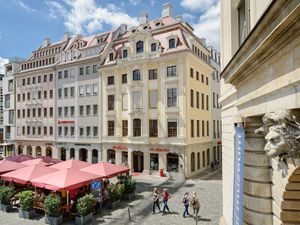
129, 217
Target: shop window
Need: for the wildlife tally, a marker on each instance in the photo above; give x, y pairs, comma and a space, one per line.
111, 156
63, 154
154, 161
95, 156
125, 158
172, 162
72, 153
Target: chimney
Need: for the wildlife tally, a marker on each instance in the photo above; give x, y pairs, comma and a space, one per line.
66, 36
179, 18
143, 17
46, 42
166, 10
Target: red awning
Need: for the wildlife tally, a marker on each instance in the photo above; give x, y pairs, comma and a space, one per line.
34, 162
49, 160
71, 164
19, 158
104, 169
7, 166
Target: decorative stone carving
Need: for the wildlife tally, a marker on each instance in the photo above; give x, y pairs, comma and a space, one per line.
283, 136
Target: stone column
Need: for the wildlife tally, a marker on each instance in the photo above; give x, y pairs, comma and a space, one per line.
100, 158
43, 150
76, 153
89, 156
104, 154
130, 159
162, 161
118, 157
68, 153
146, 162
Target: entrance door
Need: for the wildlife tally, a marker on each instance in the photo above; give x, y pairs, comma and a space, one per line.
138, 161
83, 154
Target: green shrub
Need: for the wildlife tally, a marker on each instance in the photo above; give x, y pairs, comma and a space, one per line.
52, 205
85, 205
26, 200
128, 182
115, 192
6, 193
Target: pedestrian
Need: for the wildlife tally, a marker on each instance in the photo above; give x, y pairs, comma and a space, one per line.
155, 200
186, 203
195, 204
166, 197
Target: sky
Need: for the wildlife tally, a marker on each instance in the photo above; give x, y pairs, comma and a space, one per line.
25, 23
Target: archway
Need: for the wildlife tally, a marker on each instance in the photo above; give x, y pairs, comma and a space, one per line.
63, 153
111, 156
49, 151
95, 156
38, 151
138, 161
172, 162
72, 153
83, 154
29, 150
290, 205
20, 149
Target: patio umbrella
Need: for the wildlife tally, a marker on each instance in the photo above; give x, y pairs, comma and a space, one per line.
34, 162
7, 166
65, 179
24, 175
104, 169
72, 164
49, 160
19, 158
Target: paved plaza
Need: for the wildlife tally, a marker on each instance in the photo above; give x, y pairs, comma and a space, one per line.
208, 186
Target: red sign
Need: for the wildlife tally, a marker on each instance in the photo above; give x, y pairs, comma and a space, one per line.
66, 121
159, 149
120, 147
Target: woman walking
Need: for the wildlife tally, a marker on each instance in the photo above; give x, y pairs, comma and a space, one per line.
195, 204
166, 197
186, 203
155, 200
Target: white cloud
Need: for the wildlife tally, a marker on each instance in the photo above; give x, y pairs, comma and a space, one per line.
208, 26
134, 2
2, 62
25, 6
188, 17
196, 5
152, 2
85, 16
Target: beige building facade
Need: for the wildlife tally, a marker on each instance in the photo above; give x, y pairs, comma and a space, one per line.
260, 82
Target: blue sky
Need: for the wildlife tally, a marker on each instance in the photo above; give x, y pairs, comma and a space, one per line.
25, 23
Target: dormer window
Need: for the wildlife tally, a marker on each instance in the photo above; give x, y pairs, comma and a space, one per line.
153, 47
139, 47
172, 43
111, 56
125, 53
99, 40
158, 24
136, 75
145, 27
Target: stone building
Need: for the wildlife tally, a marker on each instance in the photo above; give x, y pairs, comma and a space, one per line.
260, 82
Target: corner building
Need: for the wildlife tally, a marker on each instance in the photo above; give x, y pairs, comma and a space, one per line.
156, 98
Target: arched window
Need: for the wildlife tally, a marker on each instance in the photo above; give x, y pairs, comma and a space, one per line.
29, 150
72, 153
38, 151
125, 53
136, 75
63, 154
139, 47
20, 149
95, 156
193, 161
172, 43
136, 127
49, 151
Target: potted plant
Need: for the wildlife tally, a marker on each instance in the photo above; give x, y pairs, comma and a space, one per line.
115, 193
52, 210
6, 193
26, 210
129, 186
85, 208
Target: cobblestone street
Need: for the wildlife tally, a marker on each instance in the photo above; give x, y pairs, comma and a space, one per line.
208, 187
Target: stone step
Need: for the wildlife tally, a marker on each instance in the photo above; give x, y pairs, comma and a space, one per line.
290, 217
291, 195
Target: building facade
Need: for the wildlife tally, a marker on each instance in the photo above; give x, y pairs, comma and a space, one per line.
260, 94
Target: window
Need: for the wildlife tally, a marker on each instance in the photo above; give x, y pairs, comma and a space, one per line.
51, 94
206, 81
19, 97
191, 72
39, 79
65, 92
45, 94
50, 77
207, 102
111, 56
28, 130
81, 110
214, 100
95, 131
81, 90
59, 131
81, 71
33, 80
88, 131
23, 130
59, 93
192, 98
59, 75
45, 112
172, 97
95, 89
66, 111
28, 112
193, 161
197, 75
203, 159
81, 131
153, 47
88, 89
51, 131
171, 71
45, 131
207, 128
94, 68
110, 80
217, 100
19, 113
88, 70
28, 96
110, 102
125, 53
59, 111
124, 101
124, 128
72, 131
51, 112
95, 110
72, 92
66, 74
33, 130
23, 82
242, 22
153, 130
23, 97
202, 101
139, 47
202, 78
153, 99
136, 127
172, 43
208, 156
192, 128
198, 128
39, 112
66, 131
72, 111
197, 100
124, 78
23, 113
153, 74
203, 128
172, 128
7, 101
137, 99
136, 75
111, 127
88, 110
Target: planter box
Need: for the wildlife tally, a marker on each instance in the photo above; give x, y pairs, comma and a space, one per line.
26, 214
6, 208
81, 220
113, 205
129, 196
53, 220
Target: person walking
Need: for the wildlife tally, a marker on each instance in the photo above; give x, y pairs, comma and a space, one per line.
155, 200
195, 204
166, 197
186, 203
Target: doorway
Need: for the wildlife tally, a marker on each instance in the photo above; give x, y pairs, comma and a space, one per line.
83, 154
138, 161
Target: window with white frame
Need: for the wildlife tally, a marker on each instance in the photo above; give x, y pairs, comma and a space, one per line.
95, 89
81, 90
88, 89
172, 97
